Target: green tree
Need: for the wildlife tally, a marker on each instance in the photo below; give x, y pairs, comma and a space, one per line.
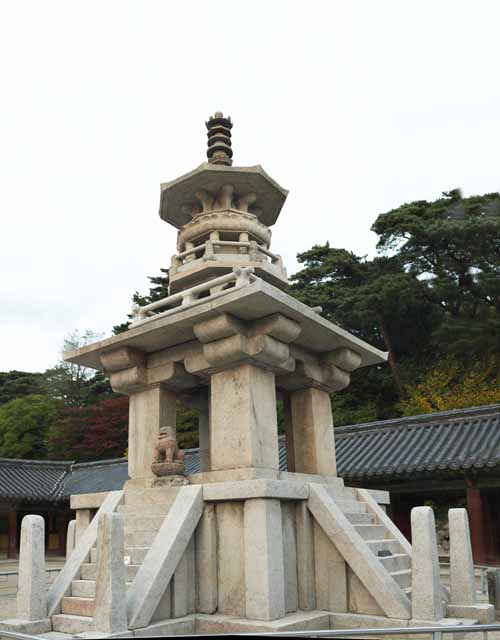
453, 246
158, 291
377, 300
24, 423
16, 384
74, 384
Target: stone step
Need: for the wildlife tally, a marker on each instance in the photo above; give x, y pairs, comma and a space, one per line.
83, 588
371, 531
351, 506
72, 624
139, 538
136, 554
143, 522
350, 493
403, 578
389, 544
78, 606
163, 496
396, 562
360, 518
147, 509
89, 571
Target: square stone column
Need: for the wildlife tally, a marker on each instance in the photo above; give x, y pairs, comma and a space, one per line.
243, 429
264, 563
313, 438
148, 410
204, 436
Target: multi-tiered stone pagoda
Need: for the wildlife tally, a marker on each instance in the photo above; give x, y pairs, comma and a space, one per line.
240, 546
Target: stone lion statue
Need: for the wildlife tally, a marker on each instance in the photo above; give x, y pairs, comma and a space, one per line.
168, 458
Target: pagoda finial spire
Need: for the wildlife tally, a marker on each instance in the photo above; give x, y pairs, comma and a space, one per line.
219, 139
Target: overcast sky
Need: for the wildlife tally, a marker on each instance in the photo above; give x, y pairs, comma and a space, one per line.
354, 106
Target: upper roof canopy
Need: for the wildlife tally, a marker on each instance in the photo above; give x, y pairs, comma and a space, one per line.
180, 200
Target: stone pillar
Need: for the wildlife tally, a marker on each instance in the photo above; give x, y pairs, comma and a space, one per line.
288, 424
12, 542
70, 538
149, 409
110, 599
290, 555
313, 437
463, 584
231, 558
264, 565
426, 600
206, 561
204, 436
32, 589
305, 557
243, 430
83, 518
477, 528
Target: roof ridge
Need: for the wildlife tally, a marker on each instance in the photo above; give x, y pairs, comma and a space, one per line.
420, 419
60, 463
96, 463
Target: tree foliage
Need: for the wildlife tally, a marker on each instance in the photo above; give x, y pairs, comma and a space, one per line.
433, 291
24, 423
74, 384
158, 291
17, 384
448, 386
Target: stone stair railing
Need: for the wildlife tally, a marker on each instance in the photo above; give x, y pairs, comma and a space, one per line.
71, 570
359, 544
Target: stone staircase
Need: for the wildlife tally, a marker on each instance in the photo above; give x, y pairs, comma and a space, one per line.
376, 535
142, 520
144, 513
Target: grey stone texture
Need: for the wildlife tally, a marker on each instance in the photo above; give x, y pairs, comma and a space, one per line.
110, 614
305, 557
331, 573
356, 553
231, 558
427, 603
313, 439
290, 555
163, 558
264, 567
32, 590
462, 578
71, 569
70, 537
243, 406
149, 409
206, 561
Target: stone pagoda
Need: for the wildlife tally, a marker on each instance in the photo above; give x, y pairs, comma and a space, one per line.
239, 546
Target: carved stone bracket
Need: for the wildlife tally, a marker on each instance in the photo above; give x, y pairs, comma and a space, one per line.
329, 372
228, 341
130, 371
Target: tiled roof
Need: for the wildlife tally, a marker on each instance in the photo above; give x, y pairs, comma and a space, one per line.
94, 477
32, 480
450, 442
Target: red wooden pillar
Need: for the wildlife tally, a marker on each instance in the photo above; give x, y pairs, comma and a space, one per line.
477, 524
12, 548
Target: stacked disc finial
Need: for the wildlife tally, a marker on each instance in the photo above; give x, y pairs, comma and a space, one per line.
219, 139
